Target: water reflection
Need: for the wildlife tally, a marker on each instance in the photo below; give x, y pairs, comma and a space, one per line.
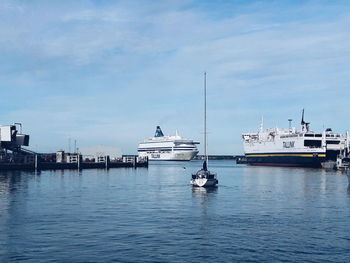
203, 192
348, 175
10, 181
205, 195
205, 199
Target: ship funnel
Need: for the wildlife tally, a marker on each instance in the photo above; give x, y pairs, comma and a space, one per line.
159, 132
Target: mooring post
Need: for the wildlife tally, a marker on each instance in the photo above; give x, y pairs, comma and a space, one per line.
78, 161
36, 162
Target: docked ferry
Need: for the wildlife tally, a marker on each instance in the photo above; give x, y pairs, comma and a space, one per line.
168, 148
290, 147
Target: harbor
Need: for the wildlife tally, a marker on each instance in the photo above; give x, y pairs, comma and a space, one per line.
327, 150
174, 131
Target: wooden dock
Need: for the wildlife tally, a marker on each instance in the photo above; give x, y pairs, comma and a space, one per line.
103, 163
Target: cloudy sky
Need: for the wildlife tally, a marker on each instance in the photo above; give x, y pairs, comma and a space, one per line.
107, 72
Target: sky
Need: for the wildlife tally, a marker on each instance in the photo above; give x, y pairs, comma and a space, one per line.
108, 72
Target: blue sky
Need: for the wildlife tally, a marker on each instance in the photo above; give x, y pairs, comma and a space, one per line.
108, 72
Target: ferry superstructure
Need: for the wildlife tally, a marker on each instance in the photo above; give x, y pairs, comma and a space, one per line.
168, 148
289, 147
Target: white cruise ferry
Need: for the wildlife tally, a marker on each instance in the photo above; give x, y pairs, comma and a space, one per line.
168, 148
289, 147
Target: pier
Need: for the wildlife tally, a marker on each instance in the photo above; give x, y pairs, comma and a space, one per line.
37, 162
14, 157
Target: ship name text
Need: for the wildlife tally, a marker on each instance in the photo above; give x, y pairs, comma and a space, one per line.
288, 144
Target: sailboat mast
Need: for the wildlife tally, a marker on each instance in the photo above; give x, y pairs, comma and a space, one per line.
205, 117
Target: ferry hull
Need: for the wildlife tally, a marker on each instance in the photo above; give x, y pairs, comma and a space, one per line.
306, 160
171, 156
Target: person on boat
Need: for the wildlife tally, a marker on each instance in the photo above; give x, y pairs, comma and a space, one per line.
205, 167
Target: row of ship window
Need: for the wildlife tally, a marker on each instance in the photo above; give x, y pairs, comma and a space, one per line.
320, 135
311, 135
317, 143
165, 149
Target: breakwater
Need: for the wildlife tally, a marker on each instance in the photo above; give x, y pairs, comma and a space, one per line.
216, 157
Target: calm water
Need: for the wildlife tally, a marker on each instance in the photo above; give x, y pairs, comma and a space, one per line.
257, 214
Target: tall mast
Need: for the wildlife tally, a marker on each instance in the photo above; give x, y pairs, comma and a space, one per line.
205, 117
262, 124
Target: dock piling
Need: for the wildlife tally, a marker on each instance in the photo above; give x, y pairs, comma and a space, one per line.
36, 162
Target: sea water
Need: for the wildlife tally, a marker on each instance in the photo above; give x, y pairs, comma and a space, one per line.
256, 214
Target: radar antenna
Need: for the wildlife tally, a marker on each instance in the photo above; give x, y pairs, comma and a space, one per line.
304, 125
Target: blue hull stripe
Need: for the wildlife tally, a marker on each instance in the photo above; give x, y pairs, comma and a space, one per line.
314, 161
